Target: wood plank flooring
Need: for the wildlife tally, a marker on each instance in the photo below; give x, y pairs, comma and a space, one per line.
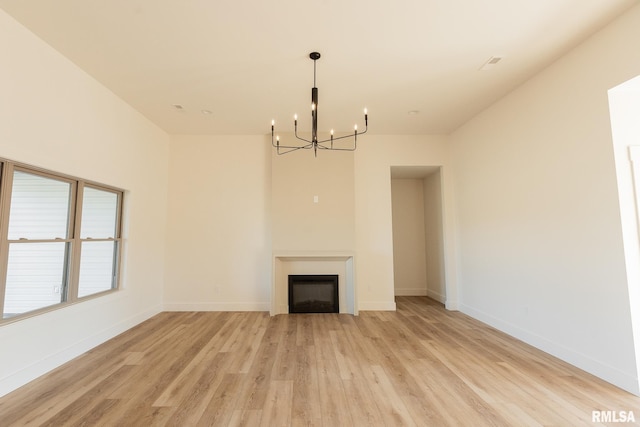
419, 366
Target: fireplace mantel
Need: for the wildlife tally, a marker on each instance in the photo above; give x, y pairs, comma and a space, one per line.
309, 262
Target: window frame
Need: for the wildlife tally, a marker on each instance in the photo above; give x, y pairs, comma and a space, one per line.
73, 238
117, 238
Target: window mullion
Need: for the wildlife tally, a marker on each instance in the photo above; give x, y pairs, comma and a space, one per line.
74, 234
6, 180
118, 237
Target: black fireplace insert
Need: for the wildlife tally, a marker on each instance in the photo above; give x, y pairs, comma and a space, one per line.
316, 293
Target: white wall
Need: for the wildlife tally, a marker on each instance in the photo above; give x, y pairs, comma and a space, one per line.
219, 238
374, 241
436, 285
56, 117
539, 231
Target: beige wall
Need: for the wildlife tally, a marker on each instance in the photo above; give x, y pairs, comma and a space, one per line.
55, 116
233, 204
524, 222
312, 201
534, 241
436, 285
409, 243
219, 231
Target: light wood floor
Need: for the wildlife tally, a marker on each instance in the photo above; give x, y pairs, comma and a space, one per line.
418, 366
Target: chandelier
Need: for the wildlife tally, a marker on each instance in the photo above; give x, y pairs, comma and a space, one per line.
314, 143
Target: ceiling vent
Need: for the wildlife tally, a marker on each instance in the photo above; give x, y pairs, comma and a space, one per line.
491, 63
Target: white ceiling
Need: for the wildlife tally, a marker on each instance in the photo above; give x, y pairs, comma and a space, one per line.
248, 61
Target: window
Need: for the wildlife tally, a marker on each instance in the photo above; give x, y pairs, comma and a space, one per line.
99, 247
59, 239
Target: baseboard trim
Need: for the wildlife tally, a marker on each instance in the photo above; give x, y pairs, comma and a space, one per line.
436, 296
376, 306
27, 374
451, 305
411, 292
217, 306
601, 370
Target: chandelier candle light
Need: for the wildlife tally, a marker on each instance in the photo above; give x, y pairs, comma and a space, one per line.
326, 144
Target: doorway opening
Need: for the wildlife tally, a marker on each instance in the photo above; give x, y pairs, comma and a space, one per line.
418, 242
624, 106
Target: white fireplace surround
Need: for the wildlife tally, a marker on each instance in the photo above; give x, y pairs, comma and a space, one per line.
295, 262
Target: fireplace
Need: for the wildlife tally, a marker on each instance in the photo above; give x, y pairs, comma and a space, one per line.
316, 293
313, 263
